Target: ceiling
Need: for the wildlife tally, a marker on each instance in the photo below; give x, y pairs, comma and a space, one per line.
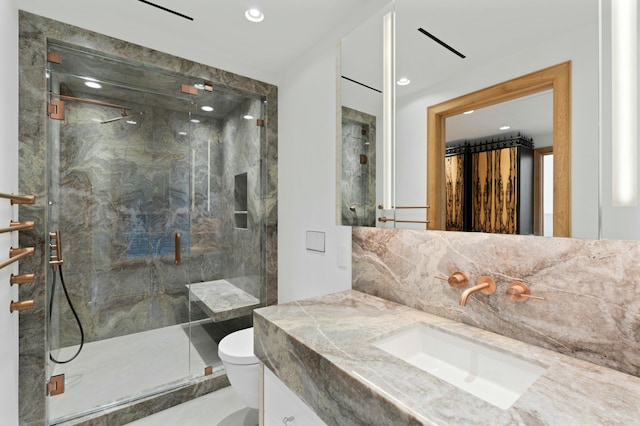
485, 32
532, 115
219, 34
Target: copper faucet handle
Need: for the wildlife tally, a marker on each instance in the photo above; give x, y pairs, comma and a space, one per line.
455, 280
519, 292
489, 283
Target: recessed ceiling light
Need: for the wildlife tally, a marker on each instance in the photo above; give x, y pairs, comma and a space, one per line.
505, 127
248, 117
92, 84
468, 112
254, 15
403, 81
207, 108
132, 122
194, 120
182, 133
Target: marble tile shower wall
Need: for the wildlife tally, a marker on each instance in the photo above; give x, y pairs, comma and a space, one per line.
241, 153
358, 184
34, 33
125, 191
591, 288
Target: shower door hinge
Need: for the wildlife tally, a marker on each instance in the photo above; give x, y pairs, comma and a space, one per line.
54, 57
260, 122
56, 109
55, 386
189, 90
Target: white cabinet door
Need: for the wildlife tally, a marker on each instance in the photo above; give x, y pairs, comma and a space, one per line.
282, 407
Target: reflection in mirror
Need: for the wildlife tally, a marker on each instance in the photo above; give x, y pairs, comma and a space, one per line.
489, 185
358, 168
496, 48
505, 196
491, 192
360, 94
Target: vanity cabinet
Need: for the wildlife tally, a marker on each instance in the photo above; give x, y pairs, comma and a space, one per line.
283, 407
489, 186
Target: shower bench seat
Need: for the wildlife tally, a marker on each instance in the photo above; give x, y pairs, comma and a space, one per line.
221, 300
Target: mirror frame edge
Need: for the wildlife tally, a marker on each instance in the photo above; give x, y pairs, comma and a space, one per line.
556, 77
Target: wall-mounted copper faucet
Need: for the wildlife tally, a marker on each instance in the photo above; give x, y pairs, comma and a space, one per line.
519, 292
485, 285
455, 280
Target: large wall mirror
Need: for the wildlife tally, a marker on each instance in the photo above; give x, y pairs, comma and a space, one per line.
481, 181
359, 123
450, 50
457, 62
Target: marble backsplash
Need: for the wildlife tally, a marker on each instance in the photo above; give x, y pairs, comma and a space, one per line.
591, 306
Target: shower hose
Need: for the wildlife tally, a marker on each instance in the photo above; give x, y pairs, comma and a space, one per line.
75, 314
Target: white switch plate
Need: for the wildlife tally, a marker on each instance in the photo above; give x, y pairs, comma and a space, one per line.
343, 257
315, 241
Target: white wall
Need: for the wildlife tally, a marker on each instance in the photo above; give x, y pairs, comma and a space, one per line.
306, 180
579, 46
307, 170
8, 184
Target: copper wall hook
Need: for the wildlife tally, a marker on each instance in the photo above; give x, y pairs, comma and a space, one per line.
455, 280
519, 292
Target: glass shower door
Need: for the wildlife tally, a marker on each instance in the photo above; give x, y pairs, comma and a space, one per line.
227, 225
156, 182
119, 192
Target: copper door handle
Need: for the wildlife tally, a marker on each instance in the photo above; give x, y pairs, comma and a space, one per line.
177, 255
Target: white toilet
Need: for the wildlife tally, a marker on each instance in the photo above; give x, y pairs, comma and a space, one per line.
236, 352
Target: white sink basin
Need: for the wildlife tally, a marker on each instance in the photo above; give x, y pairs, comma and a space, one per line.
489, 373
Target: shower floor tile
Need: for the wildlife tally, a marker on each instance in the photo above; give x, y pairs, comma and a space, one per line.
123, 367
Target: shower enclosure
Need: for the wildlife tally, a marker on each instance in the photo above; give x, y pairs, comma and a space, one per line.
155, 182
358, 168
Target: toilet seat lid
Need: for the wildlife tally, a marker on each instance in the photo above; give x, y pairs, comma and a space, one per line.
237, 347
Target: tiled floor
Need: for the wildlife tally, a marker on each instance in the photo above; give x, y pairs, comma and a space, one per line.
220, 408
138, 363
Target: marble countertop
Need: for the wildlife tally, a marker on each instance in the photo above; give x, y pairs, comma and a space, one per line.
322, 349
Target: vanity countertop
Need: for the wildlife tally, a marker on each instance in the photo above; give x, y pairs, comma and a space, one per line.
321, 349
